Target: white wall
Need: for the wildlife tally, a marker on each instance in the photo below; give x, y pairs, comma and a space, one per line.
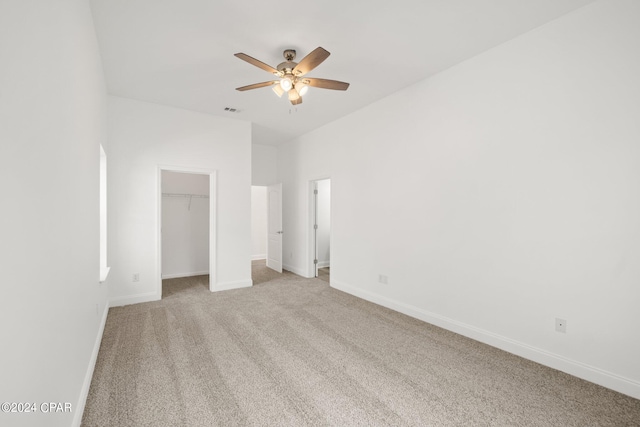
185, 224
324, 223
258, 222
498, 195
143, 136
264, 167
52, 121
184, 183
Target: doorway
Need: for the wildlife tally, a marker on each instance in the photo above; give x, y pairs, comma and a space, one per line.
186, 229
266, 233
321, 228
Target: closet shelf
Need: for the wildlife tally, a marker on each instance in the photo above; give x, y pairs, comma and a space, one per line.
201, 196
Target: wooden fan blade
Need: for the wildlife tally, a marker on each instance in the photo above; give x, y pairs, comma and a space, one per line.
310, 61
326, 84
297, 101
257, 85
254, 61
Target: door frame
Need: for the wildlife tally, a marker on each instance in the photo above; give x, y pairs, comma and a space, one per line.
311, 246
213, 220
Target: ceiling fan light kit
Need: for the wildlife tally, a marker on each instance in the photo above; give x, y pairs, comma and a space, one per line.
278, 90
290, 74
302, 88
286, 83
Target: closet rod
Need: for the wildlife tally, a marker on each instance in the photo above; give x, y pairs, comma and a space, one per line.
202, 196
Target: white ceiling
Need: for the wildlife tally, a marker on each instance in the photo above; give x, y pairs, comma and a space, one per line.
180, 52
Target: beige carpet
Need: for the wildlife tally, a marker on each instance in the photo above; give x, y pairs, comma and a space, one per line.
324, 274
295, 352
261, 274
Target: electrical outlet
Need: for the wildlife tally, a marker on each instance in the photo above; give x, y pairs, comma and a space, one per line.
383, 279
561, 325
136, 277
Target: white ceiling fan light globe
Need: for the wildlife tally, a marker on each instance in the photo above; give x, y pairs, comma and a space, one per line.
302, 88
278, 90
285, 83
293, 95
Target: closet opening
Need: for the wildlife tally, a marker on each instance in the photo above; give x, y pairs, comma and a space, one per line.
187, 230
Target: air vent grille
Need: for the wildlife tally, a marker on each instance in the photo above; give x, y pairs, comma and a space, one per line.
231, 109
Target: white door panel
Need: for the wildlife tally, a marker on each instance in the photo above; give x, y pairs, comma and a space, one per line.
274, 231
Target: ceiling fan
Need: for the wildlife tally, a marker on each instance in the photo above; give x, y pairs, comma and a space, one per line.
290, 75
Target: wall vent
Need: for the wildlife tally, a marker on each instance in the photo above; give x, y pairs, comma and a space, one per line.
231, 110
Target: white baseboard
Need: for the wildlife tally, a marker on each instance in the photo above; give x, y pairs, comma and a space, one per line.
134, 299
294, 270
573, 367
258, 257
225, 286
323, 264
178, 275
84, 392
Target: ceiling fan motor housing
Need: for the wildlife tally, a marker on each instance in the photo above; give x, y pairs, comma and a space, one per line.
287, 66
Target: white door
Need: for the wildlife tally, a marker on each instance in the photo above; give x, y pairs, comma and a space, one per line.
274, 227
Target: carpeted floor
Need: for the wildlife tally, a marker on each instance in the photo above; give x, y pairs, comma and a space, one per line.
261, 274
294, 351
324, 274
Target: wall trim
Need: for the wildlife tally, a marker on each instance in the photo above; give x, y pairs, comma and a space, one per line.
134, 299
258, 257
295, 270
573, 367
178, 275
84, 391
322, 264
226, 286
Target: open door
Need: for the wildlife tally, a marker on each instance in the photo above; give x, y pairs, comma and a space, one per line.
274, 227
